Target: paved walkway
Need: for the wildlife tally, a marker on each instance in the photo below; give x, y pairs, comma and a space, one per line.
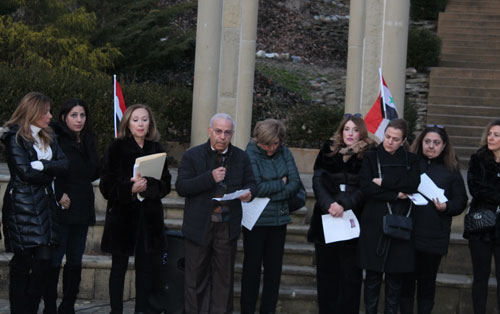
82, 306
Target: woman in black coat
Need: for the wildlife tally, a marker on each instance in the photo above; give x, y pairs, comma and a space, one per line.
336, 188
483, 179
377, 252
134, 227
29, 207
432, 222
76, 196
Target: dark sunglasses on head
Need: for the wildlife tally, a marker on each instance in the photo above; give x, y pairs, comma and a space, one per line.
439, 126
357, 115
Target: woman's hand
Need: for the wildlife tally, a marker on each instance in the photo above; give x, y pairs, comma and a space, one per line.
402, 195
439, 206
336, 210
65, 202
140, 184
377, 181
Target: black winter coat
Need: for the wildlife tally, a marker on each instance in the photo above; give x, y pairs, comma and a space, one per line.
329, 173
77, 182
196, 183
430, 226
29, 205
483, 180
127, 218
400, 173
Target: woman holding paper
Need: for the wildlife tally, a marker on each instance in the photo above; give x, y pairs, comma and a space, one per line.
30, 224
76, 196
432, 222
134, 227
278, 179
387, 176
483, 179
336, 187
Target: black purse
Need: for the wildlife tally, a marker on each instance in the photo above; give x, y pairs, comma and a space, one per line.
479, 220
299, 200
393, 225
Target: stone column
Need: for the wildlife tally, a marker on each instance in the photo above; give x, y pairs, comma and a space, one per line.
206, 68
228, 87
384, 44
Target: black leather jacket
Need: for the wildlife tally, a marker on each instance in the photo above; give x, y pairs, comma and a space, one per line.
29, 204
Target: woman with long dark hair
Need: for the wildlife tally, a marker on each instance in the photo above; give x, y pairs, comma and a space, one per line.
29, 206
134, 227
76, 196
336, 187
387, 176
483, 179
432, 222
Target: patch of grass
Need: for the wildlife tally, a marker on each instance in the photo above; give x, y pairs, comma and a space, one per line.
296, 81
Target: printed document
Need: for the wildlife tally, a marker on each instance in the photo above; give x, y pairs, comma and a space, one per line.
418, 199
340, 228
430, 190
231, 196
252, 211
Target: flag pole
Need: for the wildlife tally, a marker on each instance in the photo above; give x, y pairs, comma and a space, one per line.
114, 103
382, 91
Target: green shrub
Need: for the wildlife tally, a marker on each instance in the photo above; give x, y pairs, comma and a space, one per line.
424, 48
411, 115
426, 9
171, 106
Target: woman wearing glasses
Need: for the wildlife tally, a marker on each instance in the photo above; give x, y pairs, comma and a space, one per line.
432, 222
483, 179
336, 187
278, 179
387, 176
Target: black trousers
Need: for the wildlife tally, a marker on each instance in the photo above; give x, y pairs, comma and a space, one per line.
209, 272
263, 246
481, 253
27, 274
424, 277
393, 286
147, 278
338, 278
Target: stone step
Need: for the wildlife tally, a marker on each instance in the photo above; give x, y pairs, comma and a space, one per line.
460, 82
470, 43
463, 101
464, 91
463, 110
456, 35
465, 120
468, 16
469, 65
486, 29
465, 151
475, 51
480, 9
453, 291
493, 59
471, 141
446, 20
487, 74
460, 130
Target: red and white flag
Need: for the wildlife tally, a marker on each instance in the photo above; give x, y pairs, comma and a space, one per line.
119, 104
383, 110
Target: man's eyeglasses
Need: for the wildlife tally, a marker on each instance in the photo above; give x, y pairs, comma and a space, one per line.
219, 132
357, 115
439, 126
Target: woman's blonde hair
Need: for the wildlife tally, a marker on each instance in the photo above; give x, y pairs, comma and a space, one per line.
31, 108
268, 131
152, 135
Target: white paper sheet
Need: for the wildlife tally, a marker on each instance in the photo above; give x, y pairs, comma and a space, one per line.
232, 196
252, 211
340, 229
418, 199
430, 190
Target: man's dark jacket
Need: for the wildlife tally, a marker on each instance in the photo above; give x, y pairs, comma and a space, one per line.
196, 183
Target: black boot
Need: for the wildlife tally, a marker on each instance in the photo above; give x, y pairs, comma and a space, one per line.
50, 292
72, 275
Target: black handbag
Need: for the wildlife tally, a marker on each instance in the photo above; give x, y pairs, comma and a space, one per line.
299, 200
479, 220
393, 225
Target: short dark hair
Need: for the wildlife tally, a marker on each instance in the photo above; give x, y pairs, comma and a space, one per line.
399, 124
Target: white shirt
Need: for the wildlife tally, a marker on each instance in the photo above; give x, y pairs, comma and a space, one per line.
42, 152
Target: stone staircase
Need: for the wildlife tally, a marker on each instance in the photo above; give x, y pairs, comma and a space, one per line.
298, 282
464, 92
